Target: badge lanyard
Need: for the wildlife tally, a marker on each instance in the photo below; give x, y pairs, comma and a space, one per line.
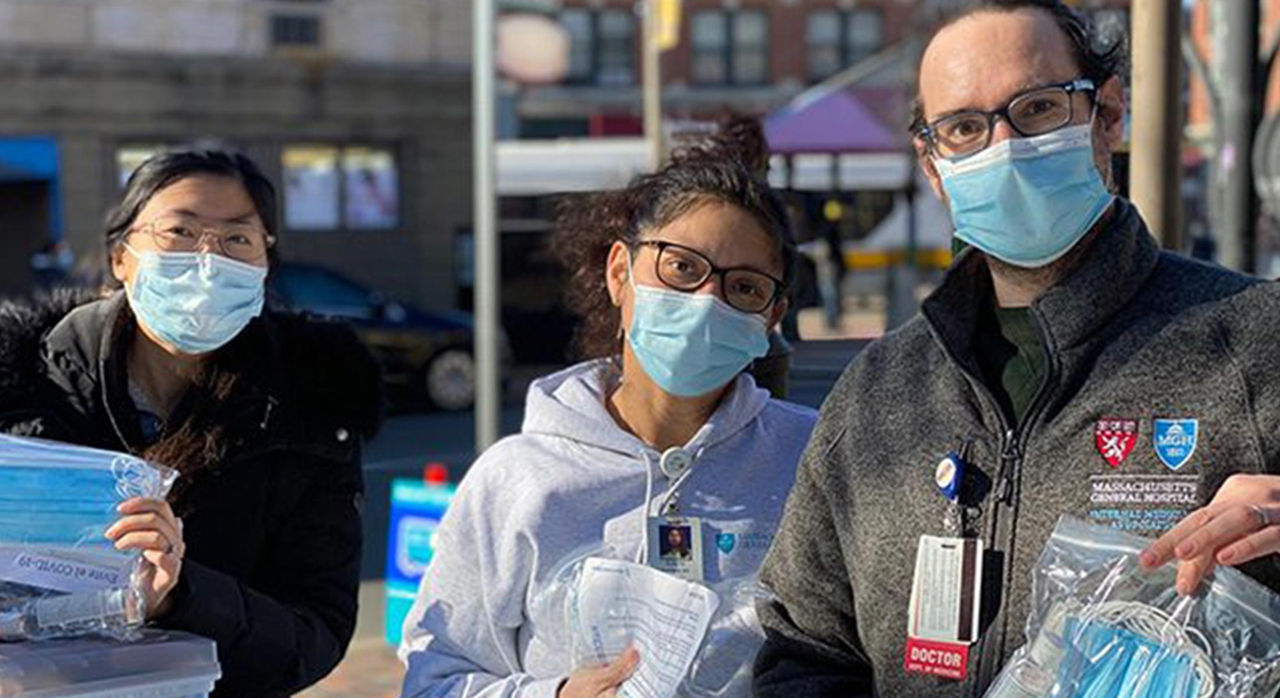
670, 542
946, 591
950, 477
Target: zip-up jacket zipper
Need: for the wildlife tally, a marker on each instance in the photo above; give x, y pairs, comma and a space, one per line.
1012, 451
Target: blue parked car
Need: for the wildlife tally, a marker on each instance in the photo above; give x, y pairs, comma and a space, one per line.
426, 356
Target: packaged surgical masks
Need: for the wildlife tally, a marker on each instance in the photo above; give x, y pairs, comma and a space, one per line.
599, 602
59, 574
1100, 625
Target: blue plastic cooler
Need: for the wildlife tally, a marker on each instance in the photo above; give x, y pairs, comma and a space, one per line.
417, 506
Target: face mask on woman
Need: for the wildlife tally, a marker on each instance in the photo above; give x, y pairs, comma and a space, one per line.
195, 301
692, 343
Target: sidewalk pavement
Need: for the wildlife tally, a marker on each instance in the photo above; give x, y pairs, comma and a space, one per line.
370, 669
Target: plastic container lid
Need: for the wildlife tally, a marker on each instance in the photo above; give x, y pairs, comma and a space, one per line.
163, 664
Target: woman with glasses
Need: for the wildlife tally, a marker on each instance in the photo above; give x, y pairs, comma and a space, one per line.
659, 436
262, 414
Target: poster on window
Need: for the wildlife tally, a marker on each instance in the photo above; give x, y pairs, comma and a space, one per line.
311, 187
372, 188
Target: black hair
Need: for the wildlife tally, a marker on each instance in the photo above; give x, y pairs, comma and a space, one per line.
160, 171
1099, 59
730, 167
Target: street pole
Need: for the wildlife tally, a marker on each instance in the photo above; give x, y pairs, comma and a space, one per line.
653, 87
1235, 52
1156, 134
485, 230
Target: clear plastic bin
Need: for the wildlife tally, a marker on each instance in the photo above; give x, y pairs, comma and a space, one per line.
161, 665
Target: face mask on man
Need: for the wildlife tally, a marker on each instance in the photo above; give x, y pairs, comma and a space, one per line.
692, 343
1027, 201
195, 301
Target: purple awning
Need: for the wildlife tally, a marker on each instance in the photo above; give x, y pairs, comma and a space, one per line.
835, 122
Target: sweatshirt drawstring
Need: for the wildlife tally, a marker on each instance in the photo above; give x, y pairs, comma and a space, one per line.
642, 557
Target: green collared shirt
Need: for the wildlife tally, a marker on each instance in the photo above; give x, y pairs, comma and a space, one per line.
1011, 354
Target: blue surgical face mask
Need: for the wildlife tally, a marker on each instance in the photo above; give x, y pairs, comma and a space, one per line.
52, 494
195, 301
1112, 661
692, 343
1027, 201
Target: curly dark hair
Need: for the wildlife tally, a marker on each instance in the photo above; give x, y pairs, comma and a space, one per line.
1099, 59
730, 166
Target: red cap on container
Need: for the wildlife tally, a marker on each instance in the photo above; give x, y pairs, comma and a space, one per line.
435, 474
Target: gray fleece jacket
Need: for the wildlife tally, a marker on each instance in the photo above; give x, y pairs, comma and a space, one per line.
1133, 334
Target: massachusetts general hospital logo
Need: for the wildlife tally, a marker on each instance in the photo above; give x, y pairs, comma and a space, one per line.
1175, 440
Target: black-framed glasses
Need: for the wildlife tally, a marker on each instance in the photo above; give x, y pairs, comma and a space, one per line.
1032, 113
685, 269
243, 242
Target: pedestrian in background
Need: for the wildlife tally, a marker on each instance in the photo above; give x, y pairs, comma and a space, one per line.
262, 414
678, 279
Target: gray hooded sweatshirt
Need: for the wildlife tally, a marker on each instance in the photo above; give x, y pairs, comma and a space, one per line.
1134, 337
572, 482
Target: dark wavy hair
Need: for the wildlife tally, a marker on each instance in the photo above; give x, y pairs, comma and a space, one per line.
729, 166
160, 171
1099, 59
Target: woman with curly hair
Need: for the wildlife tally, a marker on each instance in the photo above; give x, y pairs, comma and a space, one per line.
658, 436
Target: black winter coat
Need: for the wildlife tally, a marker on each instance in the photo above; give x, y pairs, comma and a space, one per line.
271, 499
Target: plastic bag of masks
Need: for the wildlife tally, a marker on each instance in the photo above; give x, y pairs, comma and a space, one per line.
695, 640
59, 575
1102, 626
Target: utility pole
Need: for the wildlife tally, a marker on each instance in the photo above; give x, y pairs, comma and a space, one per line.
1236, 62
653, 134
1156, 135
485, 229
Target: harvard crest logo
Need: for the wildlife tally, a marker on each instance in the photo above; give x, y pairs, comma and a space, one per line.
1175, 440
1115, 439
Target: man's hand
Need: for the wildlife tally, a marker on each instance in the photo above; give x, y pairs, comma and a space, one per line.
1242, 523
602, 681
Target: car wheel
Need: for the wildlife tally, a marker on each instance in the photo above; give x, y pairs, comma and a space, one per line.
451, 380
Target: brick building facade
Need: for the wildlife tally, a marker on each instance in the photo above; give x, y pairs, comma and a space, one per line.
359, 109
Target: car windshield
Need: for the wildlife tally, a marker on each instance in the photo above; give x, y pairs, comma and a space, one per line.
324, 293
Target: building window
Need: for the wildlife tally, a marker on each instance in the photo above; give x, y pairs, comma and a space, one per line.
327, 187
131, 156
603, 46
836, 40
710, 44
617, 59
579, 25
730, 47
750, 64
295, 30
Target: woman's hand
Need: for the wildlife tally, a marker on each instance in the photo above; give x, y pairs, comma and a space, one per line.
602, 681
1242, 523
150, 526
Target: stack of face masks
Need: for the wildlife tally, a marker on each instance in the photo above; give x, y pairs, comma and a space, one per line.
59, 575
1102, 626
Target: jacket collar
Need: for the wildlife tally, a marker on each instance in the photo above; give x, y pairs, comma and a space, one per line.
87, 354
1119, 260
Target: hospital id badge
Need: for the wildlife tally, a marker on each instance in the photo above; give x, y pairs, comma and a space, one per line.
675, 546
942, 620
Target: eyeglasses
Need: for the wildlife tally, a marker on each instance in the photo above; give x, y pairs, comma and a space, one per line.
1031, 113
685, 269
243, 242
